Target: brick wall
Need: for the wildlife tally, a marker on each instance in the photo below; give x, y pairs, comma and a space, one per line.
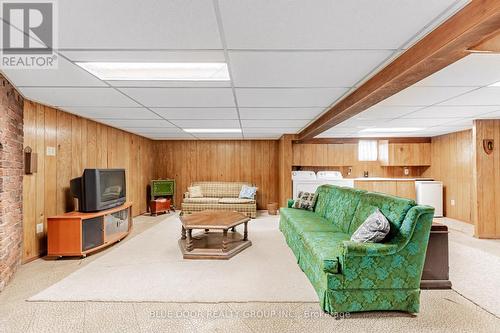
11, 180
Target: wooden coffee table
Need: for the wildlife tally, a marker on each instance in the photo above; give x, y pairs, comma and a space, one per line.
213, 244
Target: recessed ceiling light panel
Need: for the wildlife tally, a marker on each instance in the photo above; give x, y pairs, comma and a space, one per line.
158, 71
212, 130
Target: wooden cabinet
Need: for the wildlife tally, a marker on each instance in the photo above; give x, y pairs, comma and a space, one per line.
404, 154
78, 234
399, 188
318, 154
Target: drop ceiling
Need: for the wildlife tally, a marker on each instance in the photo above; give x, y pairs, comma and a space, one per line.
288, 62
447, 101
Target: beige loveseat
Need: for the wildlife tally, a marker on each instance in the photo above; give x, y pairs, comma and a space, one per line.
219, 196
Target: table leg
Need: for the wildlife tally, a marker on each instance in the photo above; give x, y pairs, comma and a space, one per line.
183, 233
245, 233
189, 243
224, 240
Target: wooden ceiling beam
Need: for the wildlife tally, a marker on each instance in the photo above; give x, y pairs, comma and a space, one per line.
476, 22
491, 45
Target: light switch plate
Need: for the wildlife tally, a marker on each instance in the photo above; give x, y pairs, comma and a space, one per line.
51, 151
452, 202
39, 228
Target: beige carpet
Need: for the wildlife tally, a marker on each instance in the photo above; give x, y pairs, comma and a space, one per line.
149, 267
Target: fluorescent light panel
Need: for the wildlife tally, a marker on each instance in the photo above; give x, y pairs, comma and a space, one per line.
158, 71
212, 130
391, 130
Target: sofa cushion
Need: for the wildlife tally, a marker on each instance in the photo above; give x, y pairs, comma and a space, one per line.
303, 220
195, 192
201, 200
337, 204
326, 247
393, 208
236, 201
247, 192
305, 200
373, 230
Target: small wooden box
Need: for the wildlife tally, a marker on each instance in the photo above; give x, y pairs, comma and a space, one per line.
159, 206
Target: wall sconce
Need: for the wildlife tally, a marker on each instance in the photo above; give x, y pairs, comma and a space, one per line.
30, 161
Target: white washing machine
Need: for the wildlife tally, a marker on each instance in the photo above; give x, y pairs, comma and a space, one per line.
308, 181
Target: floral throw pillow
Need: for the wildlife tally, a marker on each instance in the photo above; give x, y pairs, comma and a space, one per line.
305, 200
247, 192
373, 230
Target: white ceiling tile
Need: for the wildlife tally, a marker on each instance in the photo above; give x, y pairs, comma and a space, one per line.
483, 96
349, 24
154, 130
276, 123
271, 130
145, 56
66, 74
423, 96
473, 70
451, 111
206, 123
131, 123
421, 122
197, 113
112, 113
64, 96
288, 97
280, 113
492, 115
386, 112
182, 97
303, 68
171, 137
154, 24
262, 136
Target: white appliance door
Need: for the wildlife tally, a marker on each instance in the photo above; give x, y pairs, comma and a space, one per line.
431, 193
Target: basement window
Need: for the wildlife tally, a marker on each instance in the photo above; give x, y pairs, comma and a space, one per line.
367, 150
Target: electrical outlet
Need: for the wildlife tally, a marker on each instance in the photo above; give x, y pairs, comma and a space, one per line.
406, 171
39, 228
452, 201
51, 151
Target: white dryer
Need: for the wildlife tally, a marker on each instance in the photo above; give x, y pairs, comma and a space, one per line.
308, 181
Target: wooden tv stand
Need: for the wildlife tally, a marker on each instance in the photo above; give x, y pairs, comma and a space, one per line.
78, 234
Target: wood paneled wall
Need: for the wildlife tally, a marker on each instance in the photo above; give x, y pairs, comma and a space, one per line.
79, 144
486, 181
452, 164
223, 160
285, 161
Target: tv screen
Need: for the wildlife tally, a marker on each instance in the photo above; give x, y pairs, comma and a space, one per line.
111, 185
99, 189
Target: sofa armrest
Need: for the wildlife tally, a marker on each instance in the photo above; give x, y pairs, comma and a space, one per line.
355, 249
289, 203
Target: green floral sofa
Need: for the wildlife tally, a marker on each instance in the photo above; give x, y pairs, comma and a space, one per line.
352, 277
